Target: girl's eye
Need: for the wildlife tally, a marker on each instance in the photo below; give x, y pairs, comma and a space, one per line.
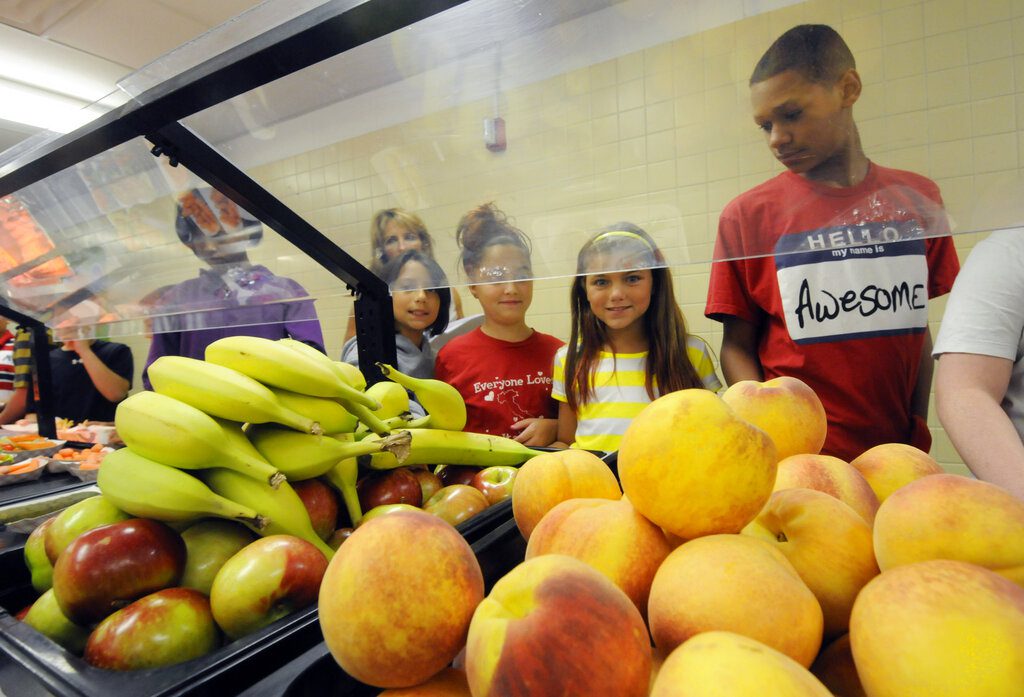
766, 126
792, 115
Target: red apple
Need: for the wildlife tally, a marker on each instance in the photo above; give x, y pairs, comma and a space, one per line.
338, 537
393, 486
321, 503
456, 474
163, 628
429, 482
209, 544
106, 568
496, 482
456, 503
265, 581
20, 614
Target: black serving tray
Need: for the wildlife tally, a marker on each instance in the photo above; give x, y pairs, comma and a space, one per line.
31, 664
315, 672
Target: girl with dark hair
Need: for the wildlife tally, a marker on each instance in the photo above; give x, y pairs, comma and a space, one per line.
502, 368
420, 299
394, 231
628, 343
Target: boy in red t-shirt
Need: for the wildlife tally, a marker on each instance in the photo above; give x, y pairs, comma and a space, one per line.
840, 256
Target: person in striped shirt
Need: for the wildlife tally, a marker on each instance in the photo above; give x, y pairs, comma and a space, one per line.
628, 344
6, 362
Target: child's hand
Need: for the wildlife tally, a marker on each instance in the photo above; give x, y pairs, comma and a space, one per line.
537, 431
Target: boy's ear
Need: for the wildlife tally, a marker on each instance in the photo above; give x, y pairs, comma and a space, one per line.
849, 86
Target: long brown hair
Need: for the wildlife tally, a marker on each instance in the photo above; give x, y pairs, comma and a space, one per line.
667, 363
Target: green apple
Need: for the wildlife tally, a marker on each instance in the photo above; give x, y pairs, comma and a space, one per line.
77, 518
46, 617
208, 544
38, 563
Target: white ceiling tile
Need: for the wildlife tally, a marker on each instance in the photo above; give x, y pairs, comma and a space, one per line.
35, 16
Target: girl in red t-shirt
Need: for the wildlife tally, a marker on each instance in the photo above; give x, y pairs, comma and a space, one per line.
503, 368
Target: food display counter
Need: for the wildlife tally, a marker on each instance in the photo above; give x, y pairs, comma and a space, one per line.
281, 133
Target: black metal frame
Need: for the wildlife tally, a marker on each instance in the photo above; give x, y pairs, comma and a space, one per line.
321, 33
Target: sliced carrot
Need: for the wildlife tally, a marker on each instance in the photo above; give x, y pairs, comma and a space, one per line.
91, 465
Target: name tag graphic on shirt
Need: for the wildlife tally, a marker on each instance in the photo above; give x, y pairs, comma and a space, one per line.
840, 292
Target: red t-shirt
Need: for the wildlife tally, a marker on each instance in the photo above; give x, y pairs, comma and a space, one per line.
502, 381
849, 321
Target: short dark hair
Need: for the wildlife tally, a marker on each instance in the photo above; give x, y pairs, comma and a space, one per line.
816, 51
438, 280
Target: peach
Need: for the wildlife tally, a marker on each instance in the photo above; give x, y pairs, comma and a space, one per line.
448, 683
785, 408
691, 466
831, 475
835, 668
720, 663
555, 626
735, 583
946, 516
397, 599
546, 480
939, 627
889, 466
610, 536
827, 542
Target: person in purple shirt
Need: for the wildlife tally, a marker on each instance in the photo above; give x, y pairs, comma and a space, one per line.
233, 296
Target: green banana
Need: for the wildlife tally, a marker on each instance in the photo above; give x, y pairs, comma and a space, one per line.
393, 398
302, 456
442, 402
141, 487
277, 365
282, 506
332, 417
343, 477
174, 433
224, 393
432, 446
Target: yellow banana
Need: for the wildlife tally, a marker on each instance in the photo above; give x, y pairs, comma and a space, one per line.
431, 446
277, 365
174, 433
332, 417
282, 506
306, 456
355, 380
442, 402
224, 393
393, 398
353, 375
144, 488
343, 476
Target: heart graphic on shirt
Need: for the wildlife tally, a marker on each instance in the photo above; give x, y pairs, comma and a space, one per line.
489, 397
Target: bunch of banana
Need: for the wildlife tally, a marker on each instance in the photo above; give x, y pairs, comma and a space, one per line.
443, 403
433, 446
224, 392
302, 456
173, 433
144, 488
393, 398
283, 364
281, 506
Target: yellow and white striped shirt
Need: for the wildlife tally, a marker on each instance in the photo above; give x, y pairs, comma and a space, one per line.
619, 393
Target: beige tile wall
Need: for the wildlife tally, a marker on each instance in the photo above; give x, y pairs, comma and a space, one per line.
664, 136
